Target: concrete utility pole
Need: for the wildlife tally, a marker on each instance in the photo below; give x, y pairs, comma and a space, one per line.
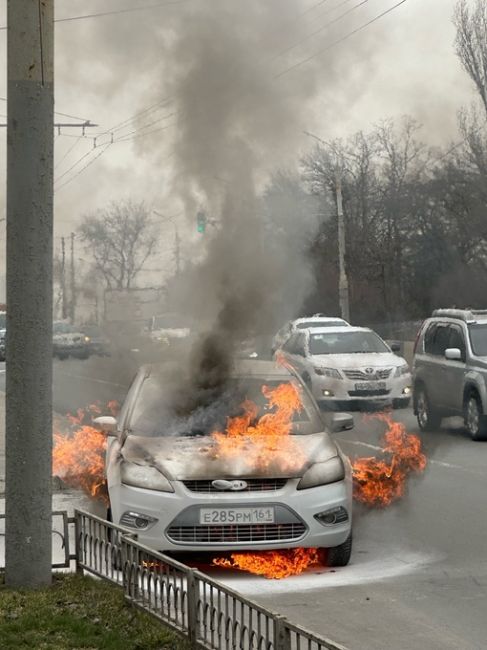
177, 251
64, 302
343, 279
72, 303
29, 292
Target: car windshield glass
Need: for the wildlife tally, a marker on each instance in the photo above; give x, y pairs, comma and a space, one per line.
346, 343
313, 323
3, 320
478, 339
153, 416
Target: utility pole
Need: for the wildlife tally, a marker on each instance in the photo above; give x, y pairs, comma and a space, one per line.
72, 304
30, 107
177, 251
343, 279
64, 302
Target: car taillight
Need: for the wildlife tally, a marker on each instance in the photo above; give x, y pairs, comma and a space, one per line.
417, 337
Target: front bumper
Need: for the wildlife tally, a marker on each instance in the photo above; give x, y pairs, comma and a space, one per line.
295, 512
330, 392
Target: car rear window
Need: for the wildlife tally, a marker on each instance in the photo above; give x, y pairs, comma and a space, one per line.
153, 416
314, 323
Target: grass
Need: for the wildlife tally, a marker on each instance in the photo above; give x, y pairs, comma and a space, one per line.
78, 612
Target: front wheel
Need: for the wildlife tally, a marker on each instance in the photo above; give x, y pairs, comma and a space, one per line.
339, 555
475, 420
428, 418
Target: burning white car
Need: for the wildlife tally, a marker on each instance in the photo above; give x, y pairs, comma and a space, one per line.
260, 473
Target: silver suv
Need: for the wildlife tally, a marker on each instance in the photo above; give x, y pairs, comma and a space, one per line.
450, 370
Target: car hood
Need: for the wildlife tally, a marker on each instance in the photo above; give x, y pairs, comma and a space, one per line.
190, 457
361, 360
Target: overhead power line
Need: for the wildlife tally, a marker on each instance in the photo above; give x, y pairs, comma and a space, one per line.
72, 117
322, 28
298, 64
158, 5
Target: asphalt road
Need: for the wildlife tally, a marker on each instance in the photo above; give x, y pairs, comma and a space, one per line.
418, 576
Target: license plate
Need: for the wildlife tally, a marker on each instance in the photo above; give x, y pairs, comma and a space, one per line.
225, 516
371, 385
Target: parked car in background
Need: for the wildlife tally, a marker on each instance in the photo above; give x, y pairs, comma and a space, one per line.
165, 482
69, 341
99, 342
318, 320
347, 367
450, 370
168, 328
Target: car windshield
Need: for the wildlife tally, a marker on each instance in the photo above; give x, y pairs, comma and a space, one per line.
3, 320
478, 339
314, 323
346, 343
152, 415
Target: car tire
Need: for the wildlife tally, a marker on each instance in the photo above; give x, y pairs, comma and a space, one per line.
401, 403
428, 417
339, 555
474, 418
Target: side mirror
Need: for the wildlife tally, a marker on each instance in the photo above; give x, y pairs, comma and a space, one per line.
107, 424
453, 354
341, 422
396, 346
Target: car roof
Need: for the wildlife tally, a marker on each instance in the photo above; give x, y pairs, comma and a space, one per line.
318, 319
337, 330
241, 368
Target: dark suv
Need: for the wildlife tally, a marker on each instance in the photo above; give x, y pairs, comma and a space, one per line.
450, 370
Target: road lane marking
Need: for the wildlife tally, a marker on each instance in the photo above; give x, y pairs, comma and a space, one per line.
440, 463
92, 379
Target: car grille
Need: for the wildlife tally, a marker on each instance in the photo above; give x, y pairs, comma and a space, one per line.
360, 375
235, 534
253, 485
369, 393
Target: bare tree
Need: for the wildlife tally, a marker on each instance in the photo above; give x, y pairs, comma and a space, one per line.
121, 238
471, 43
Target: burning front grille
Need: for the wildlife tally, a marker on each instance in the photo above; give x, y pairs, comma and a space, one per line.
361, 375
235, 534
253, 485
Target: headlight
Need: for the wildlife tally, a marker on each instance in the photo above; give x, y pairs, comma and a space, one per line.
323, 473
402, 370
144, 476
328, 372
87, 339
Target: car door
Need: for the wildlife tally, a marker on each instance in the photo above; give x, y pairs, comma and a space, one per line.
293, 353
454, 371
435, 343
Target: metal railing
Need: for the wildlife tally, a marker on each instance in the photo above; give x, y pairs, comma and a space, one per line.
211, 615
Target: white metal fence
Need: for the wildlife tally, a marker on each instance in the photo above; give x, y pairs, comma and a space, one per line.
211, 615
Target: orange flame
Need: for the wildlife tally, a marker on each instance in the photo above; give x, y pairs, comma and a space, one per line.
380, 482
267, 441
273, 564
79, 456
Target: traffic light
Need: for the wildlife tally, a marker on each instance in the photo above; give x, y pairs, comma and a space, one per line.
201, 222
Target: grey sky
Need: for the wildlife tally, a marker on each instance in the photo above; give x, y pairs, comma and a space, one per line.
109, 68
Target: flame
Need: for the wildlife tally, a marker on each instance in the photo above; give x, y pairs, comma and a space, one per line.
273, 564
79, 456
381, 481
268, 441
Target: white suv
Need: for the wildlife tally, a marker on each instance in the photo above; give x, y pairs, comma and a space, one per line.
347, 367
450, 370
292, 326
